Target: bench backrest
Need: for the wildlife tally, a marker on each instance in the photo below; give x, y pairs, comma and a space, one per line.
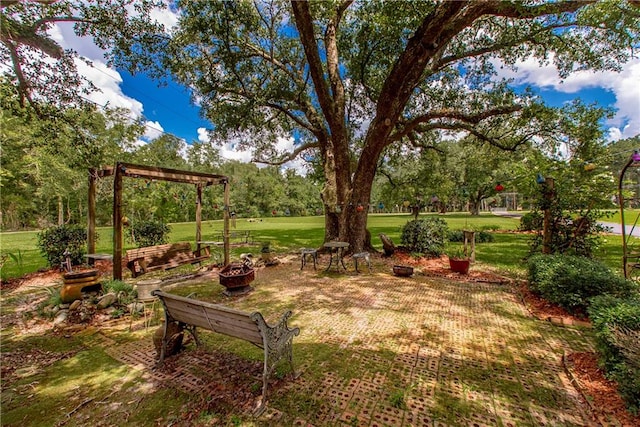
161, 254
217, 318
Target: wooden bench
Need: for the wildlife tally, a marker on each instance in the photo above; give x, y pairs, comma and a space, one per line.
163, 257
189, 313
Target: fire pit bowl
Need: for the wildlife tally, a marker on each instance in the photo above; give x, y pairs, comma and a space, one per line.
402, 270
236, 278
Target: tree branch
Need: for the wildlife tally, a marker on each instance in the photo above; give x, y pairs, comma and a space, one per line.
513, 10
292, 116
304, 24
414, 125
288, 157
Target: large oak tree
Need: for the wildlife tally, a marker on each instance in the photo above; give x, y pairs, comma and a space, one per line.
353, 79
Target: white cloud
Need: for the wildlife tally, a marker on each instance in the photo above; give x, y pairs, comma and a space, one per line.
152, 130
166, 17
229, 151
203, 135
110, 93
298, 164
624, 85
106, 79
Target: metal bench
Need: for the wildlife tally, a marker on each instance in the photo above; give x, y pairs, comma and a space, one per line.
189, 313
163, 257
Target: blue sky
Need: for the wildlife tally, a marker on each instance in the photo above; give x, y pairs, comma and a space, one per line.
168, 105
169, 109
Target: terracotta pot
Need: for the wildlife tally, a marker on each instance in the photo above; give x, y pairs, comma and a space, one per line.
402, 270
459, 265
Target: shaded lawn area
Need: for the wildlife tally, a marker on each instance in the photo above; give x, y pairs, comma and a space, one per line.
374, 349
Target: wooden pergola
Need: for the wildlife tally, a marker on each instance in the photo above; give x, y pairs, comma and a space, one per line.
200, 180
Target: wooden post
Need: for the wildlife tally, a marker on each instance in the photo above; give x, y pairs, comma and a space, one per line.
91, 215
625, 249
470, 237
225, 237
198, 216
546, 231
117, 223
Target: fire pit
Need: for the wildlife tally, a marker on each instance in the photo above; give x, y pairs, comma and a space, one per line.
236, 278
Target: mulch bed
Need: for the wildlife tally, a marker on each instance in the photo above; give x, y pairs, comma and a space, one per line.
600, 393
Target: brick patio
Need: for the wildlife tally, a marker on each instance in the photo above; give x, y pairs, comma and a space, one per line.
378, 350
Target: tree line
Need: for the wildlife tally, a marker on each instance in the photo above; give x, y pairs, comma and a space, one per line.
45, 164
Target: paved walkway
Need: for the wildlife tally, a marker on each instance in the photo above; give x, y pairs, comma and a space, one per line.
378, 350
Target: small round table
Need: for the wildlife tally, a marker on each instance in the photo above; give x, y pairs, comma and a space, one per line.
336, 254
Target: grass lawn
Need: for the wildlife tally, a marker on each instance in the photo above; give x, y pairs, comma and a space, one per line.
288, 234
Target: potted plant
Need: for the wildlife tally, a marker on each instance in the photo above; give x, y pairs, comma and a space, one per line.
459, 261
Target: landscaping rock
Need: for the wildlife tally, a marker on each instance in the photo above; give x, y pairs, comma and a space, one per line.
106, 300
61, 317
136, 307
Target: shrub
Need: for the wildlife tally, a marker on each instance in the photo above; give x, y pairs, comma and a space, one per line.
149, 233
481, 236
427, 236
617, 325
531, 221
54, 241
124, 291
571, 281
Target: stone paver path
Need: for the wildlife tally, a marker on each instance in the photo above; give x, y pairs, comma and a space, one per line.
378, 350
434, 352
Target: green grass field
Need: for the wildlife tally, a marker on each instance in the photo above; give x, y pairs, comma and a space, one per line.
288, 234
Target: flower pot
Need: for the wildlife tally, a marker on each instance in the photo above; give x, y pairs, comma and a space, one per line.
402, 270
145, 287
459, 265
77, 282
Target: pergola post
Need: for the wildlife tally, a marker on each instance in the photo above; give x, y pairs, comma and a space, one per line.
117, 223
91, 214
198, 216
225, 214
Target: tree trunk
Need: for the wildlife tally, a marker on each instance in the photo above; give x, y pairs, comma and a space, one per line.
474, 207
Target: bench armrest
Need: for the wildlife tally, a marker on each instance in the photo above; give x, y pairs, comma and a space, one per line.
278, 336
135, 263
203, 251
